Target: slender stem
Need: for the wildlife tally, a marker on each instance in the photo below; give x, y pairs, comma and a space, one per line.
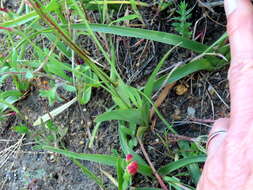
161, 182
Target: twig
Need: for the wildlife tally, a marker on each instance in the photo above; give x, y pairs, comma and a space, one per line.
212, 4
173, 137
217, 94
162, 184
178, 123
214, 54
161, 98
203, 120
205, 5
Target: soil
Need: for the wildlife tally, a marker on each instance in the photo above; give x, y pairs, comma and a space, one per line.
207, 97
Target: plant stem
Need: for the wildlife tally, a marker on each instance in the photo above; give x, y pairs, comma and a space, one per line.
161, 182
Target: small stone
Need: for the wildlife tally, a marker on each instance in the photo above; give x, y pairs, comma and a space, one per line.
211, 90
89, 123
52, 158
181, 89
81, 142
191, 112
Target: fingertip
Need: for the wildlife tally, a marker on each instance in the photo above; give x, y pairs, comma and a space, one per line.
240, 27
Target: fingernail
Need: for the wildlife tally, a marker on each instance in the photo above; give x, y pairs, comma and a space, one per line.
230, 6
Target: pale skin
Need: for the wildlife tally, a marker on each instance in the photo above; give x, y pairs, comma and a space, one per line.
229, 164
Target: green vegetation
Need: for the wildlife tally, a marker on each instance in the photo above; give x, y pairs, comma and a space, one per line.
181, 25
132, 106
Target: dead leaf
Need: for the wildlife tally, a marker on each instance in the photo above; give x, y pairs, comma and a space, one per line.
161, 98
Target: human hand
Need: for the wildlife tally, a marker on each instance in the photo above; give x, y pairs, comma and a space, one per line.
229, 164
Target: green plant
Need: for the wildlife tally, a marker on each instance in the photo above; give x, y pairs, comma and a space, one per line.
182, 26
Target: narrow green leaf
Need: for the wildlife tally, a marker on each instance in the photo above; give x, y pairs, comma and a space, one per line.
69, 88
5, 104
93, 135
183, 71
84, 95
57, 67
98, 158
193, 169
53, 5
130, 115
167, 169
149, 87
177, 184
8, 93
162, 37
125, 18
19, 20
120, 173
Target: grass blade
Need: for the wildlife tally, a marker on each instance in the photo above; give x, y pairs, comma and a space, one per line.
98, 158
52, 6
162, 37
193, 169
183, 71
167, 169
130, 115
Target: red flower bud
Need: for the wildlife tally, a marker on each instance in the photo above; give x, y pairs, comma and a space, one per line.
4, 10
129, 157
132, 168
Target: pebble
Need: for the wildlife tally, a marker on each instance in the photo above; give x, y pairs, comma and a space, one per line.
191, 112
211, 90
181, 89
81, 142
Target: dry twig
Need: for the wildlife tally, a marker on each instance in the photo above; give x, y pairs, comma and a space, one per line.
161, 182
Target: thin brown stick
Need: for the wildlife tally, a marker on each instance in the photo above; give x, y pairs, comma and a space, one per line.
162, 184
203, 120
161, 98
173, 137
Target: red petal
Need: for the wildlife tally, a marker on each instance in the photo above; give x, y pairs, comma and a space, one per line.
132, 168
